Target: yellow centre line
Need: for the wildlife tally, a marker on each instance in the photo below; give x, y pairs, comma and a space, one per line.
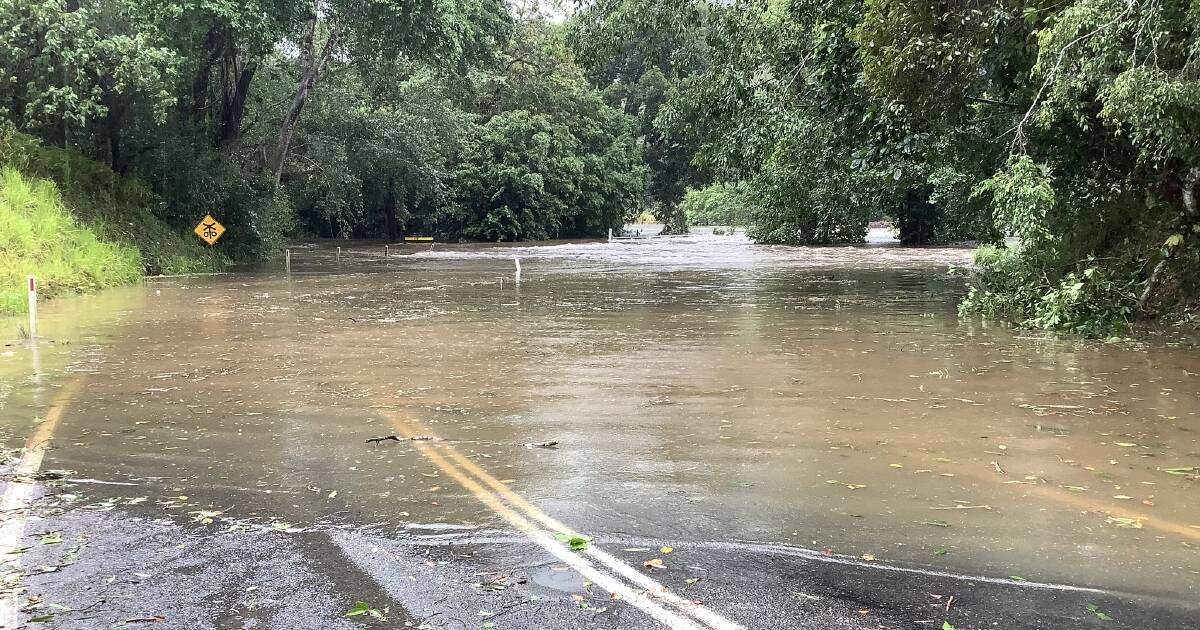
18, 494
1084, 502
649, 600
1090, 504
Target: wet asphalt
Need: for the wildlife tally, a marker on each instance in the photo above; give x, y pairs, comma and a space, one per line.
117, 569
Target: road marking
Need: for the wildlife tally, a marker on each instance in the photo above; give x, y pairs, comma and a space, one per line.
1084, 502
644, 600
819, 556
633, 575
547, 541
710, 618
1087, 503
17, 494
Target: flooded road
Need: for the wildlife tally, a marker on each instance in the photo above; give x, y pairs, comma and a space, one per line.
705, 392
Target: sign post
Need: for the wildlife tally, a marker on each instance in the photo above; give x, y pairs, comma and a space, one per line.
32, 307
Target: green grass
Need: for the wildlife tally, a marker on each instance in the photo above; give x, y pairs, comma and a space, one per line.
79, 226
39, 236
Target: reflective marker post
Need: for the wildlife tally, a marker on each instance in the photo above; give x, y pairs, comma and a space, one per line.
518, 262
32, 307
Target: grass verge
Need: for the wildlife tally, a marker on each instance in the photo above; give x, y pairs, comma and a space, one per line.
79, 227
38, 235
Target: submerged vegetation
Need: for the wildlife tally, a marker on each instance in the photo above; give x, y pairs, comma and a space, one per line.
1073, 126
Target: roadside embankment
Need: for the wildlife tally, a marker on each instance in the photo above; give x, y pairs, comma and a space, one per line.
78, 226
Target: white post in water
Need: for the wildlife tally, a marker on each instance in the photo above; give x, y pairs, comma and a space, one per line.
287, 260
339, 255
387, 251
32, 308
518, 262
609, 235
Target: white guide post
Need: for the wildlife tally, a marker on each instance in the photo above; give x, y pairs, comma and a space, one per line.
32, 285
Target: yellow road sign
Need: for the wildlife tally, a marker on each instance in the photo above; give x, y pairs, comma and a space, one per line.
209, 229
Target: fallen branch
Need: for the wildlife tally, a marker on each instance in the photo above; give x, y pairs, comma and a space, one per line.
384, 438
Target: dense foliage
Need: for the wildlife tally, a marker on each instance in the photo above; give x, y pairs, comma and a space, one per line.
1072, 125
638, 52
552, 159
719, 204
337, 118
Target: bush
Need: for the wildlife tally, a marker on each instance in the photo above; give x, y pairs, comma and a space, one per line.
719, 204
1091, 300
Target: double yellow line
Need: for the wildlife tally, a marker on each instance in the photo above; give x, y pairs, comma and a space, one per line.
596, 565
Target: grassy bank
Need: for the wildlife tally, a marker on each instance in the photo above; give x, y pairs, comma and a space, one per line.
41, 237
80, 227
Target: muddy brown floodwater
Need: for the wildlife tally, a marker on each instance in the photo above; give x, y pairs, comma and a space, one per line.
701, 389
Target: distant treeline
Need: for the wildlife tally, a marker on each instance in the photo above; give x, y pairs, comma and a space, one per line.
1073, 125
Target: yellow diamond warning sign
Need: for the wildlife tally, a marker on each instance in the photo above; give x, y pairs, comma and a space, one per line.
209, 230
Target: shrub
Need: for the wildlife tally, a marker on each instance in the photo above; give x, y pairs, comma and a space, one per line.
1092, 300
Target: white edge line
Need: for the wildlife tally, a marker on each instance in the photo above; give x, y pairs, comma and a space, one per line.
609, 583
706, 615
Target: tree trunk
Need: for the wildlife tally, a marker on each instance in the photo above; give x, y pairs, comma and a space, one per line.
113, 131
203, 75
235, 106
310, 68
389, 210
1190, 182
674, 220
305, 72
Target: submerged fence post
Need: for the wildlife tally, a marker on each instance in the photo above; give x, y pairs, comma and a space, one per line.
339, 255
387, 251
287, 260
609, 235
518, 263
32, 307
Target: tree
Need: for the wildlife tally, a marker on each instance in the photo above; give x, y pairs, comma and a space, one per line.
364, 167
68, 68
551, 159
375, 34
637, 51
